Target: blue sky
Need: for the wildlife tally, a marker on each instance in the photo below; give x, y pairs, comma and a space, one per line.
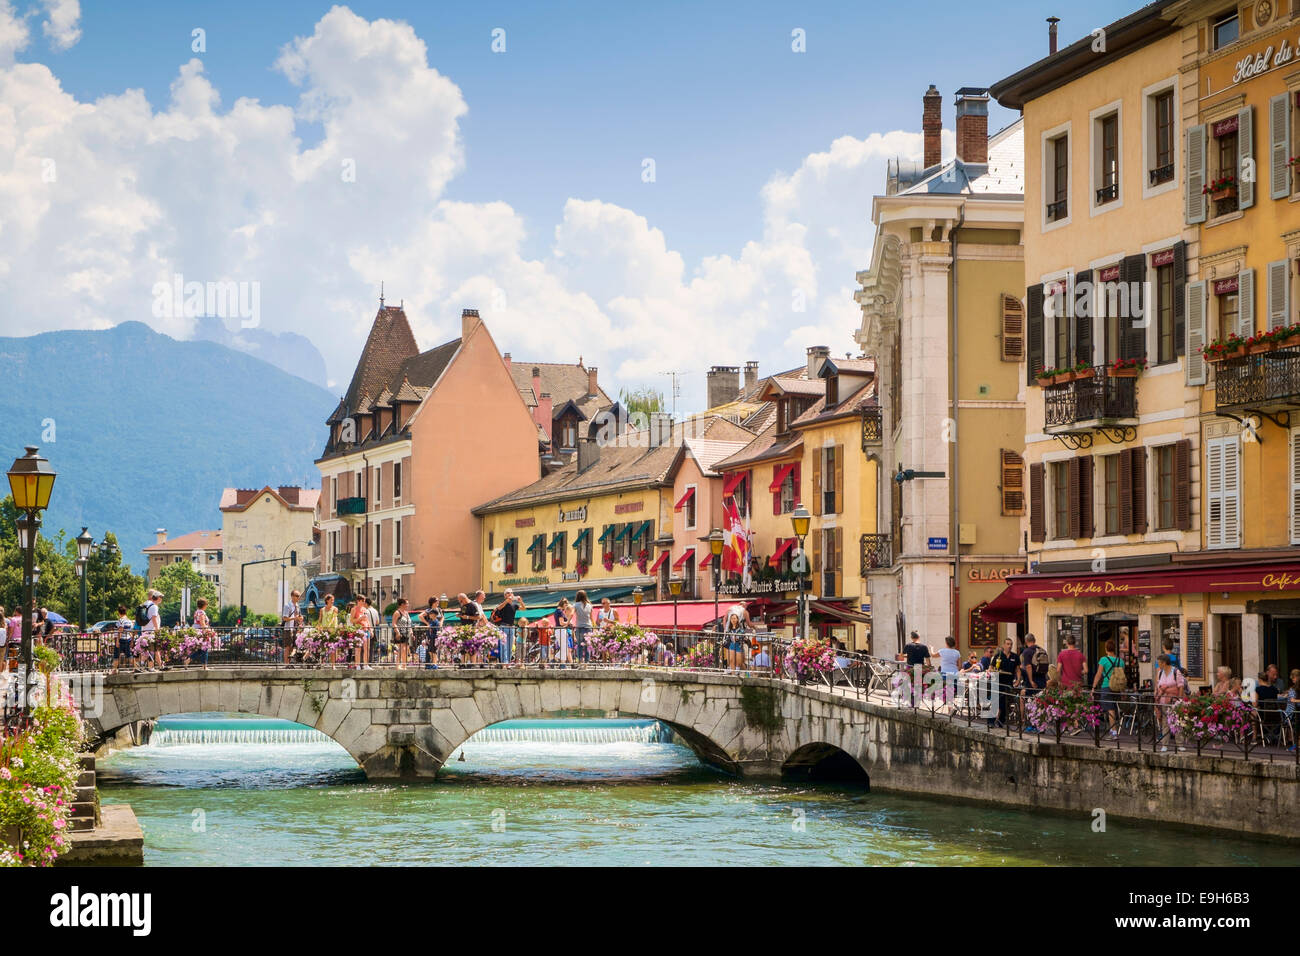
584, 93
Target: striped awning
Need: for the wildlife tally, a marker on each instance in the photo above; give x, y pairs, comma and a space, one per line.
641, 529
786, 545
537, 543
623, 532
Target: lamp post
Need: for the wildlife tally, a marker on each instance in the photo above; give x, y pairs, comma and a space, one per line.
715, 549
31, 479
637, 597
84, 542
800, 520
675, 588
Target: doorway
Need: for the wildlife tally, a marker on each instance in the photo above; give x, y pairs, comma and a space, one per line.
1230, 643
1283, 645
1111, 626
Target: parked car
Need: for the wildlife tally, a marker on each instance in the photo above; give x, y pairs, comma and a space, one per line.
99, 626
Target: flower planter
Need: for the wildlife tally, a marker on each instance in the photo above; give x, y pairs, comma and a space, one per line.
1289, 342
1229, 192
1086, 373
1123, 372
1259, 348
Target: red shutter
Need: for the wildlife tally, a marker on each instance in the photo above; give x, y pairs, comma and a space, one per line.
1037, 519
1183, 485
776, 495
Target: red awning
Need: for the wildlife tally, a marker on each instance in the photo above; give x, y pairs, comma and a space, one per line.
681, 503
686, 556
704, 561
1144, 582
691, 615
780, 477
786, 545
839, 612
654, 568
732, 481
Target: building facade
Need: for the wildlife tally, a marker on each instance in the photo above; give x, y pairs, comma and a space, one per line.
261, 525
202, 549
941, 316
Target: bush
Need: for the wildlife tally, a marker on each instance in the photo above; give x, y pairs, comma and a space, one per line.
38, 779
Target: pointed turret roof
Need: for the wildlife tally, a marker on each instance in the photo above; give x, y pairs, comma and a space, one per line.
391, 343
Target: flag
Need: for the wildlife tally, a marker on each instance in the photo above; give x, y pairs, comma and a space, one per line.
735, 552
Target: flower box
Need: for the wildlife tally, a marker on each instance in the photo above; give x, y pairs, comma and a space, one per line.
1130, 371
1259, 348
1227, 192
1290, 342
1086, 373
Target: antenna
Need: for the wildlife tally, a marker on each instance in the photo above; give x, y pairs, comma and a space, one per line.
676, 390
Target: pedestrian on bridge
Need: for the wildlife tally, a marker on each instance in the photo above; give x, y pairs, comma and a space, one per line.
402, 631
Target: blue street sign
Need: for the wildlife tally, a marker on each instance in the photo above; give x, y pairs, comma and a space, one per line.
938, 544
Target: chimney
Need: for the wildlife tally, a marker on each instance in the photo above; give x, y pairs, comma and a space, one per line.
817, 356
723, 384
588, 453
661, 429
505, 357
751, 375
592, 388
973, 124
469, 321
932, 125
1051, 34
545, 409
160, 536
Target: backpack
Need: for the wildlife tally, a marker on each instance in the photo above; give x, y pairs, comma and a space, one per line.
1116, 678
1039, 661
142, 614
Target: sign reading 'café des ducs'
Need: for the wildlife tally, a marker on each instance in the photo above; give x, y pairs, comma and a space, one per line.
1142, 585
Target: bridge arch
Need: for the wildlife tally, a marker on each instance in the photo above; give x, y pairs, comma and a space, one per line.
823, 762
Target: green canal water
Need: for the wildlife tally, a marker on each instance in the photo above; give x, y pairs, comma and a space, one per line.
233, 791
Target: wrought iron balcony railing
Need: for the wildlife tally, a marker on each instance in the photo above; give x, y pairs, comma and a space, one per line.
1265, 382
351, 506
1107, 193
1056, 211
1086, 402
872, 428
876, 553
1161, 174
349, 560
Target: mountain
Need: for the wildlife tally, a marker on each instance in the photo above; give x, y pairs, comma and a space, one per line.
144, 431
287, 351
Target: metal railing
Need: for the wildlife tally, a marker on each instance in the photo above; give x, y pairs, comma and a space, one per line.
1098, 397
877, 553
873, 431
1107, 193
349, 561
1056, 211
1161, 174
1252, 381
355, 505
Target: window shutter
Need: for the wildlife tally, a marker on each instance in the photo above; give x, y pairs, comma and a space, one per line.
1084, 310
1034, 330
1072, 489
1231, 493
839, 479
1279, 139
1183, 485
817, 481
1277, 286
817, 552
776, 495
1013, 329
1139, 491
1246, 303
1195, 312
1086, 484
1126, 491
1132, 336
1013, 483
1214, 493
794, 476
1180, 293
1295, 486
839, 561
1245, 158
1195, 201
1037, 519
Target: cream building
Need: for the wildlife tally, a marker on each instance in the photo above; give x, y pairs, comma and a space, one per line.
264, 525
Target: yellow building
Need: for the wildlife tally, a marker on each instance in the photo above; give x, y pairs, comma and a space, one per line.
266, 525
941, 316
812, 450
1162, 215
202, 549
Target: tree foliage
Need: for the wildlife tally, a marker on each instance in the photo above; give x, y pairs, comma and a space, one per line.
643, 400
172, 579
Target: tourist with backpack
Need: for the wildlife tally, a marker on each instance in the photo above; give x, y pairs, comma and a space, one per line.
147, 618
1033, 666
1110, 681
1170, 686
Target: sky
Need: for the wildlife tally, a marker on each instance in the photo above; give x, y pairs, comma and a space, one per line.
652, 188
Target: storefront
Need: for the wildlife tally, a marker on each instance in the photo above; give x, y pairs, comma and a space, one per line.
1242, 617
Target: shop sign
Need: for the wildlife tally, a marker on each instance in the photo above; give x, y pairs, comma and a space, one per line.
1165, 258
1226, 286
628, 507
775, 586
1251, 66
525, 522
570, 576
986, 575
577, 514
520, 582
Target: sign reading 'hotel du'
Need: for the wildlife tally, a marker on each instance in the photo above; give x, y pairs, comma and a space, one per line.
1252, 65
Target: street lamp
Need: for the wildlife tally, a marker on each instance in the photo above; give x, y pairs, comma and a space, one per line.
84, 543
675, 588
800, 521
31, 479
715, 548
637, 597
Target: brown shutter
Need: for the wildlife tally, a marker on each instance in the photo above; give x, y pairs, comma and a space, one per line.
1183, 485
1013, 329
817, 552
1132, 335
1034, 334
839, 479
1013, 483
1085, 308
839, 561
1180, 298
1037, 519
817, 481
1126, 491
1072, 479
1086, 485
795, 478
1139, 491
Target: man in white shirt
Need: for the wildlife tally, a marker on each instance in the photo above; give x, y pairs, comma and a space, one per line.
150, 627
290, 620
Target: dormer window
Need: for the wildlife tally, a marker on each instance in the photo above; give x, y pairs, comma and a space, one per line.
569, 434
832, 390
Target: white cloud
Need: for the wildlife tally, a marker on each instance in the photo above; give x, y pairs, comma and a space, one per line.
219, 192
61, 22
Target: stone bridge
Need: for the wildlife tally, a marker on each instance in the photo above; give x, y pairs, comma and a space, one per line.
405, 724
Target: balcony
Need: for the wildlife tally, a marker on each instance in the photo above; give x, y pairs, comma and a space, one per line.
351, 510
1095, 403
1056, 211
877, 554
1265, 383
1161, 174
349, 561
872, 429
1107, 194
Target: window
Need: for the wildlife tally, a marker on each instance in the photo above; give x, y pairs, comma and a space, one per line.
397, 540
1225, 30
1059, 294
1060, 478
1164, 466
397, 482
832, 391
538, 550
787, 492
584, 548
1229, 312
1226, 150
379, 484
1164, 164
1013, 483
688, 577
1058, 185
832, 476
378, 544
689, 508
831, 555
1013, 329
1107, 159
335, 493
1110, 472
1223, 492
1166, 344
558, 555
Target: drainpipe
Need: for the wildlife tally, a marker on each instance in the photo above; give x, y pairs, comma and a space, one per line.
365, 522
954, 488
